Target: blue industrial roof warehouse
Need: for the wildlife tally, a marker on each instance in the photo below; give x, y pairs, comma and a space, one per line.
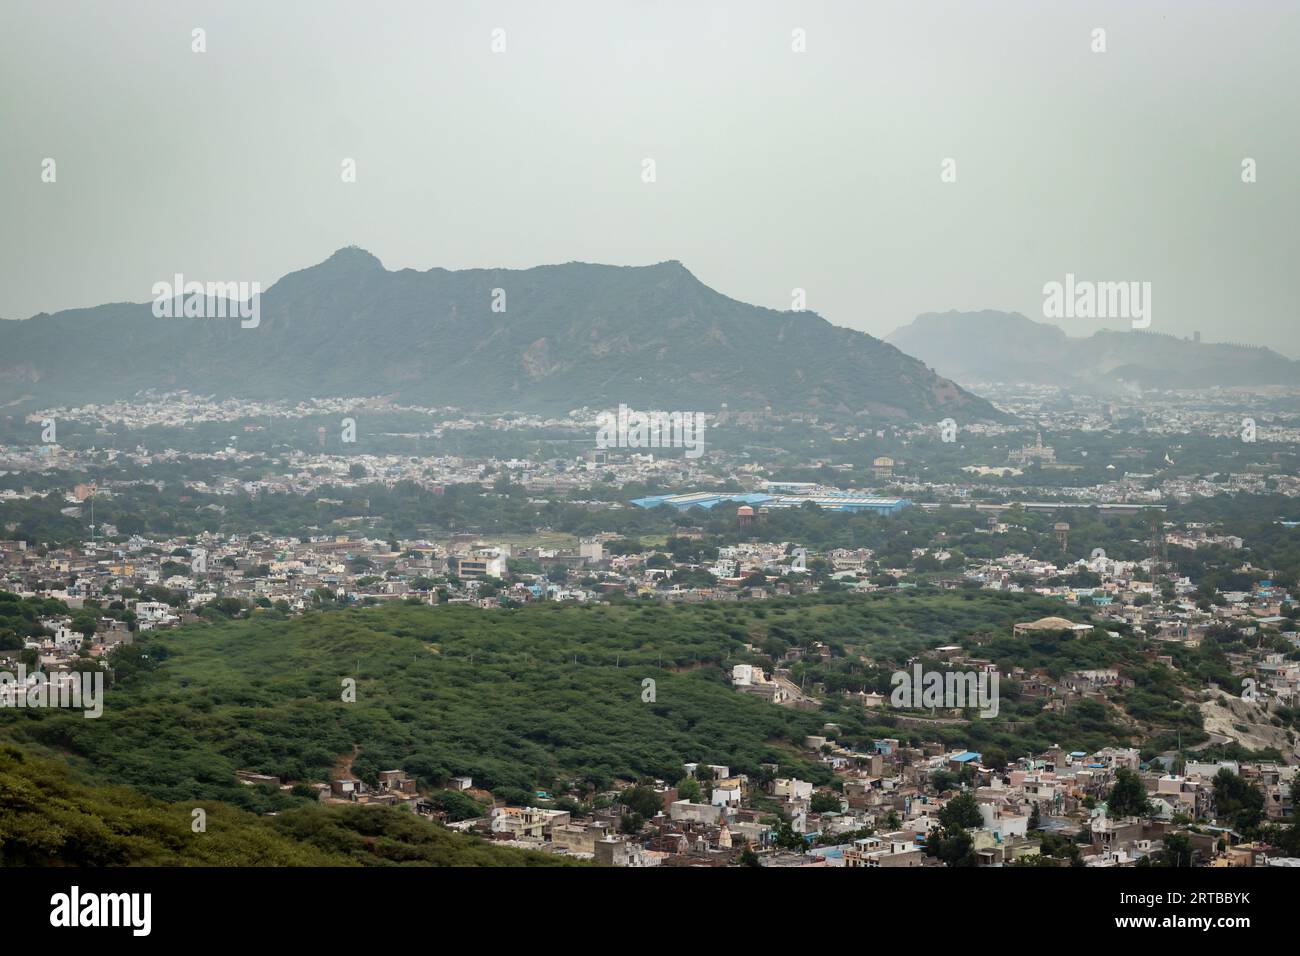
836, 501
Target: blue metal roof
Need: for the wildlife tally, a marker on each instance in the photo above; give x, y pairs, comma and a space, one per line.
684, 502
835, 501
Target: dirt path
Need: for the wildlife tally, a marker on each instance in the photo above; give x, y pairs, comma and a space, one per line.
343, 766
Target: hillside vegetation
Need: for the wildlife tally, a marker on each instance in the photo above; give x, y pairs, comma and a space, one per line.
47, 818
553, 696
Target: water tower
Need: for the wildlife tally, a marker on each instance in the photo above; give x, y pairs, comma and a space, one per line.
1062, 530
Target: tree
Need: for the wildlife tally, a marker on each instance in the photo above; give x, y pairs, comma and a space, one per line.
1177, 851
1237, 801
748, 857
226, 607
943, 780
85, 624
961, 812
787, 839
995, 758
825, 802
1286, 838
954, 847
1060, 847
642, 801
1128, 797
456, 805
1035, 820
688, 789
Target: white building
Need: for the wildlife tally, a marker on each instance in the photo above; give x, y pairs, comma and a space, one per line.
793, 788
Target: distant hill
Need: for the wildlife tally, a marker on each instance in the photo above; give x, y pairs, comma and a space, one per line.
571, 335
982, 347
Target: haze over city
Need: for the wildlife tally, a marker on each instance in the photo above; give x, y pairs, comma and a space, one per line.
775, 170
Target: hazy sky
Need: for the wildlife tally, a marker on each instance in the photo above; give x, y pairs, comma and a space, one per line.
775, 169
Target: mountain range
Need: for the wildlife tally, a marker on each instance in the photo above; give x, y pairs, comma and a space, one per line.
983, 347
546, 339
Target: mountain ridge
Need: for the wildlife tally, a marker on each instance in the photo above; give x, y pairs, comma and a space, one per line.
549, 338
992, 346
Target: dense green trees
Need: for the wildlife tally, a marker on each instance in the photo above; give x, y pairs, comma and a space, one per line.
688, 788
1237, 802
1058, 847
1177, 850
20, 618
520, 700
787, 839
1128, 797
47, 817
641, 800
823, 801
953, 845
961, 812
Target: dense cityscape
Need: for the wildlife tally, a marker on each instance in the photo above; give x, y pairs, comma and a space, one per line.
119, 538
